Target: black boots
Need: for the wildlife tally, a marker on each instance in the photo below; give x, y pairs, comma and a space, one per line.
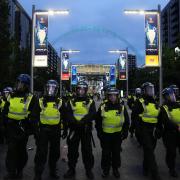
70, 173
116, 173
105, 173
54, 175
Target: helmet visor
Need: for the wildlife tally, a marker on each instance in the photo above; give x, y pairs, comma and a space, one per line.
149, 91
81, 91
51, 90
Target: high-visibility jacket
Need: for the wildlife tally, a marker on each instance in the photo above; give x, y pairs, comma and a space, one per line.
50, 115
173, 115
18, 108
112, 120
150, 112
80, 109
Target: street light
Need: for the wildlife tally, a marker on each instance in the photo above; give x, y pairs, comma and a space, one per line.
117, 51
34, 13
158, 13
70, 51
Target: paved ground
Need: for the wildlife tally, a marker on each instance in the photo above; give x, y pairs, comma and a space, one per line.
131, 162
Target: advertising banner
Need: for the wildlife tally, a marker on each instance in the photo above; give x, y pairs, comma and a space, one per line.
112, 75
123, 58
152, 43
74, 78
41, 42
65, 66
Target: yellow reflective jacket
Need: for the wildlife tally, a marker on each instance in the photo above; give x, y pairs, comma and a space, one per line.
80, 109
50, 114
18, 108
150, 112
112, 120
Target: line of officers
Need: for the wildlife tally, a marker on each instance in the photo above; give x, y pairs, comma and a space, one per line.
23, 114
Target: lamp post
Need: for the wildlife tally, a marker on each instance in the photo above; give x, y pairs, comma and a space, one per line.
70, 51
117, 51
34, 13
158, 13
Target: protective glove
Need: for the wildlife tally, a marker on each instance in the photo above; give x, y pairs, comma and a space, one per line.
124, 135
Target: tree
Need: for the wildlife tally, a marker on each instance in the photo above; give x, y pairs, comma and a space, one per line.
5, 45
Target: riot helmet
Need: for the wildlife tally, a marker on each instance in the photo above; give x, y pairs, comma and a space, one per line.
51, 88
81, 89
175, 89
138, 92
112, 94
7, 91
169, 95
23, 83
148, 89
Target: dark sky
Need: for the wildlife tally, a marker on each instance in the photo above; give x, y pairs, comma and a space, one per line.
96, 26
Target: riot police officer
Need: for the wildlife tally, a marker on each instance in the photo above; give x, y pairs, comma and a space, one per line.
146, 111
50, 113
80, 114
176, 92
169, 119
112, 123
16, 112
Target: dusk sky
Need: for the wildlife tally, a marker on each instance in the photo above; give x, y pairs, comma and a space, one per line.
96, 26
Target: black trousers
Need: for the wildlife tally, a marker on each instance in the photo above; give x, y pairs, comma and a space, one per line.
73, 140
149, 144
47, 139
171, 140
17, 156
111, 148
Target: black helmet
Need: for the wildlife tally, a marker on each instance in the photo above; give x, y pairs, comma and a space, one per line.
51, 88
6, 91
112, 90
175, 89
81, 85
147, 89
169, 95
138, 91
24, 78
23, 83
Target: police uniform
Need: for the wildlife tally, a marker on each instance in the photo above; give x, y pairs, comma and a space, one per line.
146, 112
16, 113
169, 118
50, 112
112, 123
80, 114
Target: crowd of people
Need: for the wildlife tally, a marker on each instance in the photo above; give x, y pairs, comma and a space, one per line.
50, 118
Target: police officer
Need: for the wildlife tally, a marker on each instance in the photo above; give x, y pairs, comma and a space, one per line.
16, 112
50, 113
112, 123
169, 119
146, 110
134, 128
80, 113
5, 95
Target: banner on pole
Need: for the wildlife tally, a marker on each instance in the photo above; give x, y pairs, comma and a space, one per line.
152, 43
123, 58
65, 66
74, 78
112, 75
41, 41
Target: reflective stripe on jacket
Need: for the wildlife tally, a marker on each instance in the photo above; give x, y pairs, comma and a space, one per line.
113, 120
18, 108
50, 114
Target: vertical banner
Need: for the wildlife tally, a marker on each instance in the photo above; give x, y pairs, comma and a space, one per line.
65, 66
41, 42
123, 58
112, 75
152, 43
74, 78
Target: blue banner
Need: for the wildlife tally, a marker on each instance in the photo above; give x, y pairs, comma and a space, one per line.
74, 78
41, 41
112, 75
